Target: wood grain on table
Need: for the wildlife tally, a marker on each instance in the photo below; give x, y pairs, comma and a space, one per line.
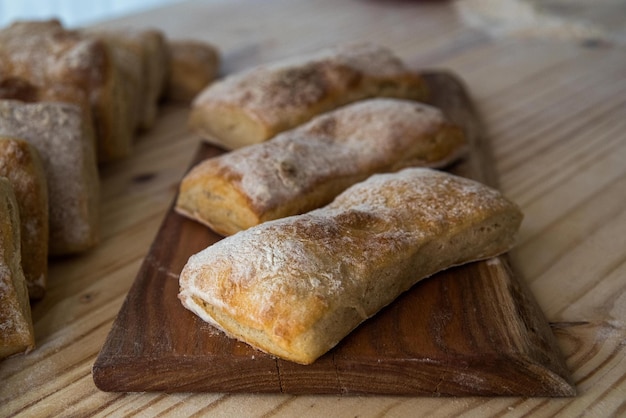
556, 116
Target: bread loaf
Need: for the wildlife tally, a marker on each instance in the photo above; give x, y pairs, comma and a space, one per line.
143, 55
305, 168
296, 286
131, 69
193, 65
48, 56
21, 165
253, 106
66, 145
16, 326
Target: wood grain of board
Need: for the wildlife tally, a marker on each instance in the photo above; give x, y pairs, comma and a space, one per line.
471, 330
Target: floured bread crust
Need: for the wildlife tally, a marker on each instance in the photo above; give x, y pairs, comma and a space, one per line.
48, 56
255, 105
16, 326
21, 165
305, 168
66, 145
193, 65
294, 287
142, 56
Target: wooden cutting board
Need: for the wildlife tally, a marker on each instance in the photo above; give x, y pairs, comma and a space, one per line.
471, 330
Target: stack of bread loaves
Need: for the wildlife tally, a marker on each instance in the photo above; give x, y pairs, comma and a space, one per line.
69, 100
329, 197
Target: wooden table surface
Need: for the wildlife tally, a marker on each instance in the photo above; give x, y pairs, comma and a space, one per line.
556, 116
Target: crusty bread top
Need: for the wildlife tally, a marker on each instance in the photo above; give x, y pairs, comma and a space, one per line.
193, 65
66, 146
142, 56
274, 284
412, 204
351, 143
279, 91
45, 53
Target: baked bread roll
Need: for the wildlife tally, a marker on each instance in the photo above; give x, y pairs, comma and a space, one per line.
131, 67
294, 287
21, 165
143, 55
66, 145
46, 55
305, 168
193, 65
16, 325
253, 106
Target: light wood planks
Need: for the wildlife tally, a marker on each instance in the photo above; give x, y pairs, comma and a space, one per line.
527, 91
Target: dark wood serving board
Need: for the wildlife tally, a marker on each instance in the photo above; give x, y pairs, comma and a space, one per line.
470, 330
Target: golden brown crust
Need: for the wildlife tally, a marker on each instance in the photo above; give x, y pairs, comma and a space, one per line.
66, 147
296, 286
305, 168
253, 106
15, 88
21, 165
48, 56
143, 57
16, 327
193, 65
155, 58
130, 66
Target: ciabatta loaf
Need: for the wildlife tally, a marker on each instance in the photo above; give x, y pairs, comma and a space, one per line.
305, 168
294, 287
66, 145
193, 65
253, 106
143, 57
48, 56
21, 165
16, 326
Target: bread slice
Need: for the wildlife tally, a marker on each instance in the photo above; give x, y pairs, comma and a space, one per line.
66, 145
253, 106
305, 168
21, 165
296, 286
16, 325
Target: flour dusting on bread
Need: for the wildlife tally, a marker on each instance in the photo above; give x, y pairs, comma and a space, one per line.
296, 286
